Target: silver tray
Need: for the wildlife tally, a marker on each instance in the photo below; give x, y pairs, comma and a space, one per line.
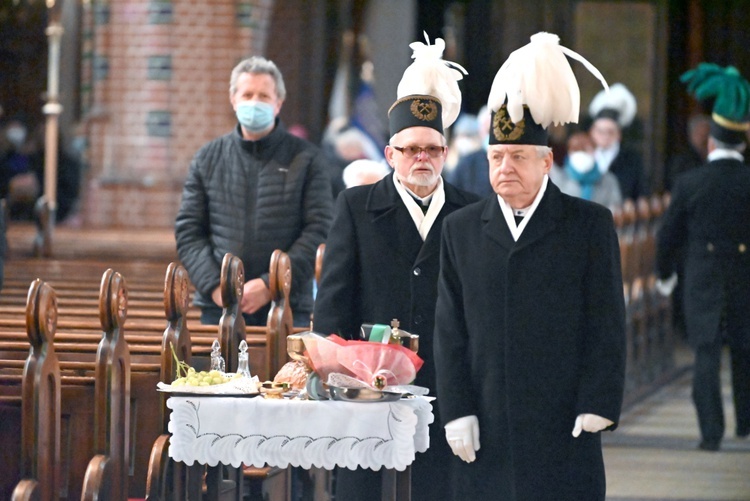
363, 394
196, 394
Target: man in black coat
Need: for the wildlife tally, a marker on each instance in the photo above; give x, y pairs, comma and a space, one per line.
530, 319
381, 263
250, 192
707, 222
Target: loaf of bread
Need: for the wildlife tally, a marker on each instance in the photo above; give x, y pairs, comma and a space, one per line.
294, 373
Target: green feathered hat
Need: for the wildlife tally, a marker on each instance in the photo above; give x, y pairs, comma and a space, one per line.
730, 119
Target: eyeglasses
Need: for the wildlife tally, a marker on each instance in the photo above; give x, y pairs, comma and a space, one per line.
413, 151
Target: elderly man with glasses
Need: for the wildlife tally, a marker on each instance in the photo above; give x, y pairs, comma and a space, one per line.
382, 255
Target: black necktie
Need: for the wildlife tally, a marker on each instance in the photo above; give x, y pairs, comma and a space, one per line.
518, 220
423, 206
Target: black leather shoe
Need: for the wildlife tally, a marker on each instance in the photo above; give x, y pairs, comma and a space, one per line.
709, 445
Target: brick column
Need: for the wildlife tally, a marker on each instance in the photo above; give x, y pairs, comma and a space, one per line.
155, 88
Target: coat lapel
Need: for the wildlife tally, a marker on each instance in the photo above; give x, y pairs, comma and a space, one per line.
454, 200
495, 226
544, 218
542, 221
392, 219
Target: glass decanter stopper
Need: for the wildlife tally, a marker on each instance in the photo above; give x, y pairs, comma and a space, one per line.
217, 361
243, 364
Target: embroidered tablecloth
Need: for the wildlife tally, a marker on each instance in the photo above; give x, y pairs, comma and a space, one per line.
306, 433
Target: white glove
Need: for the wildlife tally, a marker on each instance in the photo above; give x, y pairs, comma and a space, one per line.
590, 423
667, 285
463, 437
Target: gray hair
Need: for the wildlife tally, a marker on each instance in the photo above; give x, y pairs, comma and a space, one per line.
542, 151
258, 65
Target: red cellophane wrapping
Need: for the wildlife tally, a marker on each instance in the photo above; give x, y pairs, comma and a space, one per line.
363, 360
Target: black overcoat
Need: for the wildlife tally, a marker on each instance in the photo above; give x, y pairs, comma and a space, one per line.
709, 218
528, 335
377, 268
627, 166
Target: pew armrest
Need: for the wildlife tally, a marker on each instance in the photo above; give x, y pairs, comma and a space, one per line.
26, 490
97, 484
158, 466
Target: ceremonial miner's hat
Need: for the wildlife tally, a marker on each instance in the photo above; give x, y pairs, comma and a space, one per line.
617, 104
428, 94
730, 118
534, 88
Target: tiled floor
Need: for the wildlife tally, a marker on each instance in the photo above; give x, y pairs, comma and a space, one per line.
652, 456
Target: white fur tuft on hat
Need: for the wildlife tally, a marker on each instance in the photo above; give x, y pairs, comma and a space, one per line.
620, 100
431, 75
539, 76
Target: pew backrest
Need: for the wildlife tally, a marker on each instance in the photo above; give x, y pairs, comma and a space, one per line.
40, 405
231, 323
107, 472
280, 324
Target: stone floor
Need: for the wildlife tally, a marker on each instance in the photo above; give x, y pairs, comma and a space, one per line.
653, 455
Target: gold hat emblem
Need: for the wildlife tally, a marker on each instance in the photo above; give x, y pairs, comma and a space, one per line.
503, 127
423, 109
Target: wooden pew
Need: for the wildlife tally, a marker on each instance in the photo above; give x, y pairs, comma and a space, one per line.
40, 404
77, 396
167, 479
269, 481
107, 472
170, 480
80, 341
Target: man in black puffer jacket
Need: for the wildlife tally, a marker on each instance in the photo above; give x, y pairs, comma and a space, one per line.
254, 190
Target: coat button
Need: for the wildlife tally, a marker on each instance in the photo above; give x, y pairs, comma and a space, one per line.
710, 247
742, 248
418, 319
417, 271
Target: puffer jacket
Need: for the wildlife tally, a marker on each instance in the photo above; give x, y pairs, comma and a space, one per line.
250, 198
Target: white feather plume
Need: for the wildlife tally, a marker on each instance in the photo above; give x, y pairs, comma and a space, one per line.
618, 98
539, 76
431, 75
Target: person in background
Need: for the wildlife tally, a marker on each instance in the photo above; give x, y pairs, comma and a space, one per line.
530, 317
580, 177
472, 172
344, 143
362, 172
611, 112
249, 192
465, 139
698, 131
706, 224
382, 253
19, 178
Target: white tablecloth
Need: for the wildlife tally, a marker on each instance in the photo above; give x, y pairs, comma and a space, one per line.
324, 434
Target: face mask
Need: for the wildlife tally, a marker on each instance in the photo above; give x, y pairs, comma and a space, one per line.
581, 161
16, 135
464, 145
255, 116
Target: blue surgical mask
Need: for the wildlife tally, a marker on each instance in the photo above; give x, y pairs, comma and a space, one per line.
255, 116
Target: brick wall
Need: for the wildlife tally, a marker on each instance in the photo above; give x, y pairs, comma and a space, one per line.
154, 88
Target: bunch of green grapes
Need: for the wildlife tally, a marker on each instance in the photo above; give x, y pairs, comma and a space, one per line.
202, 378
187, 376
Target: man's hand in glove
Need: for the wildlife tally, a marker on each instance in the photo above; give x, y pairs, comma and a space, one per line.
590, 423
463, 437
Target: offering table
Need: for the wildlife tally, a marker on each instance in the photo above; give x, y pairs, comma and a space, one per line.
281, 432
